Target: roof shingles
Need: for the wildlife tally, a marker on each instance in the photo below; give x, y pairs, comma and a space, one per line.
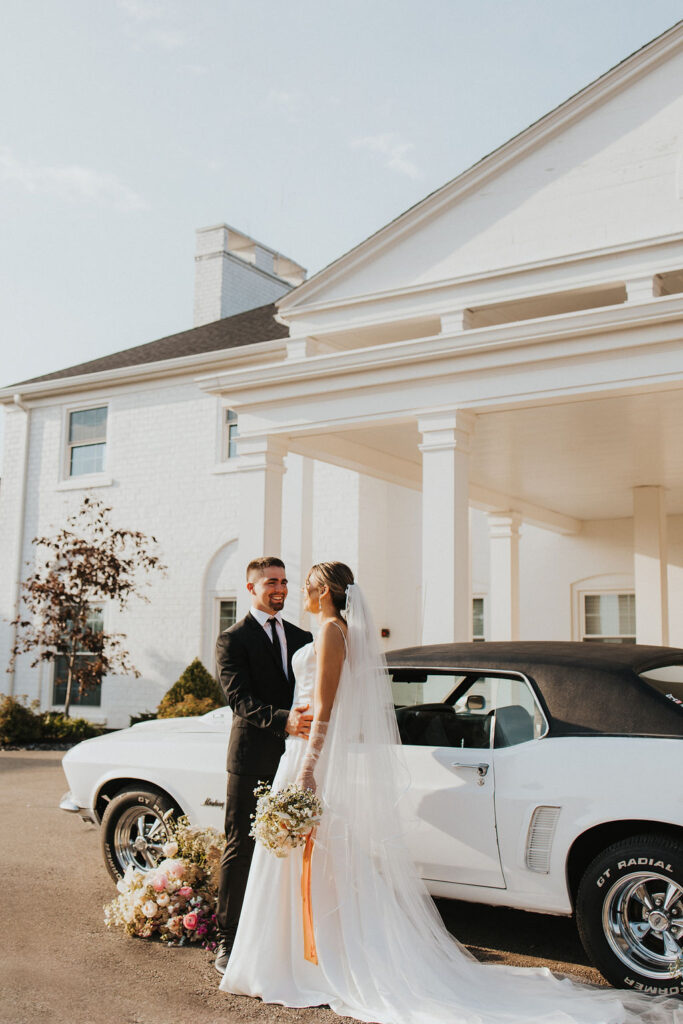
246, 328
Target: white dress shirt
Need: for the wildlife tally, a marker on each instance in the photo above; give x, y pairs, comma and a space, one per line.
262, 619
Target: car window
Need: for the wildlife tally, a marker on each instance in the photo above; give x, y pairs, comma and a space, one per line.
441, 709
414, 686
668, 680
427, 715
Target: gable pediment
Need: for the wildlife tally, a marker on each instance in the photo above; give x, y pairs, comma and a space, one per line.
601, 172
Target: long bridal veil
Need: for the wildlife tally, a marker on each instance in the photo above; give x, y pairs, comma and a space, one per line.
398, 961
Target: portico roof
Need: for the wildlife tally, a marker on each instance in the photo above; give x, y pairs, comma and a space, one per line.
570, 412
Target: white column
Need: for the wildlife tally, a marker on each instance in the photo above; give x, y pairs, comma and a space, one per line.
446, 573
297, 530
504, 575
650, 565
260, 483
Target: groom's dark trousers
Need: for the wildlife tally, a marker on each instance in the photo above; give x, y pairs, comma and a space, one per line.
255, 685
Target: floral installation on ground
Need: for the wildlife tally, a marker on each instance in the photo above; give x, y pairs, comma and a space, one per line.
284, 819
176, 900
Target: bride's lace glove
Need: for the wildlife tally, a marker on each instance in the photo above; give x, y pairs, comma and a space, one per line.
305, 778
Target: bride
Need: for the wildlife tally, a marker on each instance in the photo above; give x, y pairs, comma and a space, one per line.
383, 953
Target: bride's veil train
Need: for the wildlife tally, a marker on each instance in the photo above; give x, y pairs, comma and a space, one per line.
396, 961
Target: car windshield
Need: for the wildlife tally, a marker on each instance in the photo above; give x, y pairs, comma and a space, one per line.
668, 680
419, 686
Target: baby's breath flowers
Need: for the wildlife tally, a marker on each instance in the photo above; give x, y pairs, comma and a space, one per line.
177, 899
283, 819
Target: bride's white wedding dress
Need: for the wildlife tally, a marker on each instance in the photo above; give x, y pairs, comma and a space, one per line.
384, 954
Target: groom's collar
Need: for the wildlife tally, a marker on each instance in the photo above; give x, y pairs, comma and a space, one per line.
262, 617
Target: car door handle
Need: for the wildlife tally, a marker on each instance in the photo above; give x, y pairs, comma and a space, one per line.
480, 769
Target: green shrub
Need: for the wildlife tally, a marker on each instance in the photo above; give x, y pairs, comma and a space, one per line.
197, 683
59, 729
187, 707
144, 716
20, 724
18, 721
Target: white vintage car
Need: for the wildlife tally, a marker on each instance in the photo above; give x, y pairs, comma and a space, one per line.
545, 776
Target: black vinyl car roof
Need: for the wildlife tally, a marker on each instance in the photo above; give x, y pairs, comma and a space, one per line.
584, 688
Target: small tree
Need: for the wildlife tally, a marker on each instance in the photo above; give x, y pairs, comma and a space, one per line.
86, 562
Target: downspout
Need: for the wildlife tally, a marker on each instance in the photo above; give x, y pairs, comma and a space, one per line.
20, 531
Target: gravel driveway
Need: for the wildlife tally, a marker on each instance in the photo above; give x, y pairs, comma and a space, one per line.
60, 965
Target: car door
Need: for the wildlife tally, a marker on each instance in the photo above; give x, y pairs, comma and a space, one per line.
449, 809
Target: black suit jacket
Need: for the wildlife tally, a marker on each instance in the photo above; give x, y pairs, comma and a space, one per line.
259, 693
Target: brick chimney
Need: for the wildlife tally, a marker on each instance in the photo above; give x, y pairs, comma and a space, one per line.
234, 273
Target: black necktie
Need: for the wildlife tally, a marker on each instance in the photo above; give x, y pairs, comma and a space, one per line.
276, 642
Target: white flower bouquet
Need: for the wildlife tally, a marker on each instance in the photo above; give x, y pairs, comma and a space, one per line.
285, 818
176, 900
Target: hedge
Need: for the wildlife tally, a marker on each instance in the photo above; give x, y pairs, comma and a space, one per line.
21, 724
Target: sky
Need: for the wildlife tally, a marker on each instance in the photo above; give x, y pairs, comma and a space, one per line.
128, 124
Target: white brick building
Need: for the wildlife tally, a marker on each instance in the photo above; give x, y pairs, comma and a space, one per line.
478, 408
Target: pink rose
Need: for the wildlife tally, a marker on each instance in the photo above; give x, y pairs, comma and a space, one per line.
185, 891
190, 921
160, 883
176, 869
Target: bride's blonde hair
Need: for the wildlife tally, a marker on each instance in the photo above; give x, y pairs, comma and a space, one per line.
334, 575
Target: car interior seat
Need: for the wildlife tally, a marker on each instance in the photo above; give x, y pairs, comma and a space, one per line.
513, 725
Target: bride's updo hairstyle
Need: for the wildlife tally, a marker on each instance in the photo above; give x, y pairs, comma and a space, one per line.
337, 577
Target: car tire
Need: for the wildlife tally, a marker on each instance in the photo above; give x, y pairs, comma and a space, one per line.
629, 912
134, 829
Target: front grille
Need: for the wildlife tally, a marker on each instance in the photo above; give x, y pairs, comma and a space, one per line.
540, 838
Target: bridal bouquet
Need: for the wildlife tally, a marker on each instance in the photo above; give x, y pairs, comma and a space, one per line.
284, 819
177, 899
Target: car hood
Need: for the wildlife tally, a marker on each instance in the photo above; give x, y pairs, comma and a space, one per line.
217, 721
214, 721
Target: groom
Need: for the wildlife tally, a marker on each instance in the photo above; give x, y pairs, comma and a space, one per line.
254, 661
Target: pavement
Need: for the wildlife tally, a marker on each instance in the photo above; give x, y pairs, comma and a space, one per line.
60, 965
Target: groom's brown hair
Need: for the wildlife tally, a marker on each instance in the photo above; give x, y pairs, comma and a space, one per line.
258, 566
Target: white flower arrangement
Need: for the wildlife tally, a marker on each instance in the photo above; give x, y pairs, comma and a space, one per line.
284, 819
176, 900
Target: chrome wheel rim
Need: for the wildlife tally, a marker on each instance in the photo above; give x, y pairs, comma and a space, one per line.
139, 836
642, 918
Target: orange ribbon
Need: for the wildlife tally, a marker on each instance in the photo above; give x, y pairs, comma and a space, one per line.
310, 952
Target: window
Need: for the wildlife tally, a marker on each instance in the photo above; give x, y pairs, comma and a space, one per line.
667, 679
227, 614
478, 618
87, 441
231, 434
609, 618
446, 709
93, 696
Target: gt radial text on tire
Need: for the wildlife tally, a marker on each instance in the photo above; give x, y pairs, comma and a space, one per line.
134, 830
629, 912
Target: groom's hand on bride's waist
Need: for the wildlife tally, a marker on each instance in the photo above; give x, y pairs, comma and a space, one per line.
298, 722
